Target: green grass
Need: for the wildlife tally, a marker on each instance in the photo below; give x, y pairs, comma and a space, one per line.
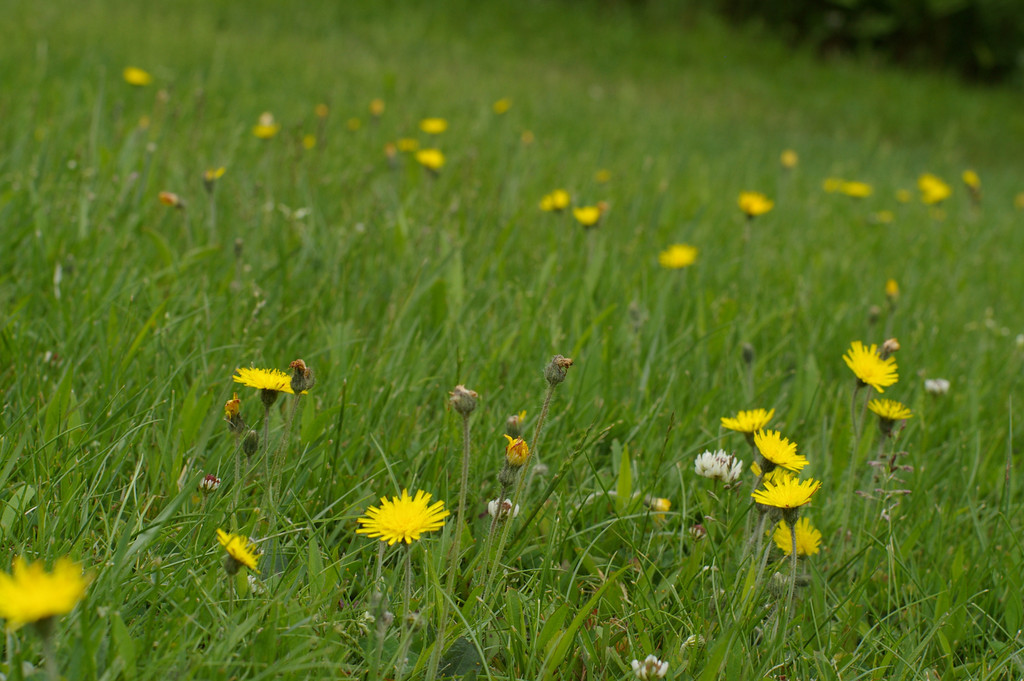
124, 320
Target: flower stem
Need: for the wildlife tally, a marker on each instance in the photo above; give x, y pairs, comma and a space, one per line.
403, 650
454, 553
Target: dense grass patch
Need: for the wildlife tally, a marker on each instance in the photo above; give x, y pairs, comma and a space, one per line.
125, 318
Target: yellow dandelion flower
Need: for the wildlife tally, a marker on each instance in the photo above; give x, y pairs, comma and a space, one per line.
516, 451
587, 215
857, 190
557, 200
502, 105
136, 76
240, 550
321, 110
659, 504
807, 538
602, 176
376, 108
933, 190
890, 410
403, 518
787, 492
353, 124
214, 174
754, 204
869, 368
788, 158
264, 379
832, 184
972, 180
749, 421
774, 475
431, 159
407, 144
30, 593
309, 142
266, 127
779, 450
892, 288
678, 256
433, 126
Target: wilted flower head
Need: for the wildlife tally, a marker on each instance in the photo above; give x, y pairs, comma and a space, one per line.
136, 76
936, 386
754, 203
718, 465
302, 377
650, 668
678, 256
463, 400
514, 424
321, 110
266, 127
554, 372
210, 177
171, 200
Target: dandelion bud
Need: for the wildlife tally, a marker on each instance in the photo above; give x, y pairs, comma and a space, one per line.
251, 443
302, 377
232, 414
874, 312
210, 178
209, 484
514, 425
748, 354
463, 400
554, 373
268, 397
516, 451
889, 347
507, 475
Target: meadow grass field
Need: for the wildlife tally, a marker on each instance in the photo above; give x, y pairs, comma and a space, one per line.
254, 191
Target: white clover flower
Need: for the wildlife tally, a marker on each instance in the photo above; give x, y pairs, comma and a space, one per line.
255, 588
505, 508
719, 465
650, 668
693, 641
936, 386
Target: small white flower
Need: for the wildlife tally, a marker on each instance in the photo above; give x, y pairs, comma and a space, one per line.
255, 588
693, 641
719, 465
936, 386
506, 507
650, 668
209, 484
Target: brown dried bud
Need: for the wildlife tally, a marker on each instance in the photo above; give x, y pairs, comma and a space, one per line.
463, 400
514, 425
302, 377
554, 373
889, 347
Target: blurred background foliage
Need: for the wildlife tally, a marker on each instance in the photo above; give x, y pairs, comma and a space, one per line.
982, 40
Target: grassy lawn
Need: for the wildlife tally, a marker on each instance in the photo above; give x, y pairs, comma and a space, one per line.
126, 312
